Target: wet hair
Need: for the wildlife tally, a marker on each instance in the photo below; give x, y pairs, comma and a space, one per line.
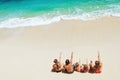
67, 61
55, 61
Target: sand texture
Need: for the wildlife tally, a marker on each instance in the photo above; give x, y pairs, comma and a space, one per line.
27, 53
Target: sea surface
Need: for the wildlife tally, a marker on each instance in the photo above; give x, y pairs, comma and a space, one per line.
22, 13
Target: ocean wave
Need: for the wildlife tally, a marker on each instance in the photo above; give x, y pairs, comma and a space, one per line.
44, 20
23, 22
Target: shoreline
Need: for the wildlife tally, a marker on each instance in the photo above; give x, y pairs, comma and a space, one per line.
20, 23
27, 53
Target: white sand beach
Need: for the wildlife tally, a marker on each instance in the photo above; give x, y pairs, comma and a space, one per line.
28, 53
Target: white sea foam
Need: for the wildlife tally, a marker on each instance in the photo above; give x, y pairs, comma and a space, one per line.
44, 20
23, 22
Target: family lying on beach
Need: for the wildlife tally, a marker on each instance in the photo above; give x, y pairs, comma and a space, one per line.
69, 67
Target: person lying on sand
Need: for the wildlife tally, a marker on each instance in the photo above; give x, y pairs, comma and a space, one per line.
77, 67
98, 65
68, 67
85, 67
57, 67
91, 67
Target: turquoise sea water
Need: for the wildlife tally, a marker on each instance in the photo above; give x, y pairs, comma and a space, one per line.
20, 13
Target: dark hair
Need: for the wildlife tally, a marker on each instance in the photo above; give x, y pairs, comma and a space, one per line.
55, 61
67, 61
91, 61
97, 63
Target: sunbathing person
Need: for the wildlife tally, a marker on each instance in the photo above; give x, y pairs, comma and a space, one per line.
91, 67
68, 67
98, 65
57, 67
85, 67
77, 67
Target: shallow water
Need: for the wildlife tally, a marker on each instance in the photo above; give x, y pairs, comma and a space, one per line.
20, 13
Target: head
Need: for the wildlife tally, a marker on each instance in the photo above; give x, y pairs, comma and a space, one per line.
76, 64
55, 61
91, 61
96, 63
67, 61
85, 65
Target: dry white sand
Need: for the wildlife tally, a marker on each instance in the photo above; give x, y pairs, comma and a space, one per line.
28, 53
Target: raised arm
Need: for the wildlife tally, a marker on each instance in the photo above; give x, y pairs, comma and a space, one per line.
79, 62
99, 59
71, 58
99, 56
87, 61
60, 57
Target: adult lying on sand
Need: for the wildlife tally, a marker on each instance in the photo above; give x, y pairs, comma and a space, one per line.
68, 67
91, 67
85, 67
78, 67
57, 67
81, 68
98, 65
